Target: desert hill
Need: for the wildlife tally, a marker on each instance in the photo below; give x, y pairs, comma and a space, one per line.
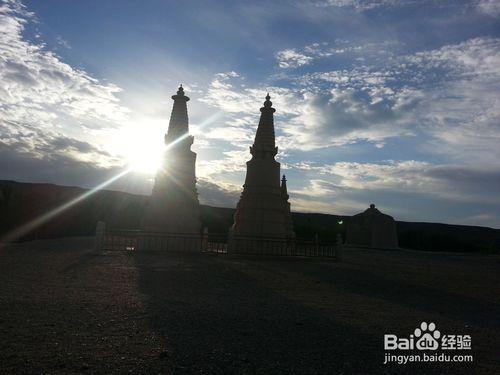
21, 202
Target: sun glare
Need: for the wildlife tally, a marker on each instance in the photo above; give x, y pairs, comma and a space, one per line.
145, 154
141, 145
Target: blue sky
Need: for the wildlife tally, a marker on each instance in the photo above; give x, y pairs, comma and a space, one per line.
395, 102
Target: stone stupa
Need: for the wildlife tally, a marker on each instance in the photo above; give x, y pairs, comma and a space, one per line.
173, 205
372, 228
263, 210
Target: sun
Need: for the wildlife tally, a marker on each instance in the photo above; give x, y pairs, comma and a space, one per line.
140, 145
145, 157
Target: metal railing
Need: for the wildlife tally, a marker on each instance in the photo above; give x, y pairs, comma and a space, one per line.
137, 240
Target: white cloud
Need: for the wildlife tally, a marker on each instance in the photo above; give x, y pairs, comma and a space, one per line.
339, 117
217, 193
447, 98
452, 182
489, 7
231, 133
450, 94
361, 5
232, 161
290, 58
45, 99
297, 57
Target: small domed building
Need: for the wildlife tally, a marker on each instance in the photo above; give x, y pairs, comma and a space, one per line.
372, 228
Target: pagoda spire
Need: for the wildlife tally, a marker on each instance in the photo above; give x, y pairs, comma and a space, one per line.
264, 143
263, 210
287, 211
173, 206
179, 122
284, 191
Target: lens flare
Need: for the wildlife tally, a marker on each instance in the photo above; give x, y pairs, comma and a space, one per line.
144, 161
40, 220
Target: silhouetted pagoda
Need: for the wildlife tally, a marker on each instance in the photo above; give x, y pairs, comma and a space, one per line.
263, 210
372, 228
173, 205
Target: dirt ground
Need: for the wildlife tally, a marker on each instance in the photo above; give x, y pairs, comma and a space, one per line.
66, 309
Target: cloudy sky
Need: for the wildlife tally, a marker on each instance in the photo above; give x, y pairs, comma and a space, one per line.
395, 102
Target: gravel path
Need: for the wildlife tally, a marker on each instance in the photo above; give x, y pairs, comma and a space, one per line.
65, 309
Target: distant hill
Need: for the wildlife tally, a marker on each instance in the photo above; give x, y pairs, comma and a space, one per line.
21, 202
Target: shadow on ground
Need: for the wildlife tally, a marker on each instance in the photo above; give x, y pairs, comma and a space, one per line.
303, 316
67, 309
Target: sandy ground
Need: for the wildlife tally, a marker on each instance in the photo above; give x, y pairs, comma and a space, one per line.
66, 309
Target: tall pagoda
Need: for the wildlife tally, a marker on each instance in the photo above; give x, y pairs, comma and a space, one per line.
173, 205
263, 210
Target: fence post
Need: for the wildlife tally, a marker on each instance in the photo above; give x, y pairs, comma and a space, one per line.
99, 235
339, 247
140, 241
316, 244
204, 239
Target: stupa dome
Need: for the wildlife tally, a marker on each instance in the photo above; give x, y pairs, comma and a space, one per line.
372, 228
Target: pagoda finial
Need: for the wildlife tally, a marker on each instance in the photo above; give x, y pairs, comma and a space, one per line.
264, 143
268, 103
179, 122
284, 191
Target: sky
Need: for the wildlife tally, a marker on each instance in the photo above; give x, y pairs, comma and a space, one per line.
392, 102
